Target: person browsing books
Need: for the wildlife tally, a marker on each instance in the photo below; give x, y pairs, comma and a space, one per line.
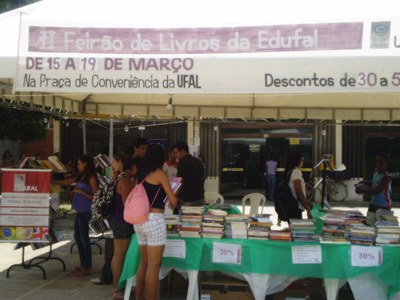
170, 166
8, 160
297, 185
271, 165
82, 196
381, 189
122, 231
152, 234
140, 147
191, 169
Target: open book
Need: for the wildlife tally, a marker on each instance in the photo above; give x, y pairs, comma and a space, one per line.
57, 163
26, 162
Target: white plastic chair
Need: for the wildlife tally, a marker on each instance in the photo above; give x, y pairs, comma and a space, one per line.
256, 200
213, 197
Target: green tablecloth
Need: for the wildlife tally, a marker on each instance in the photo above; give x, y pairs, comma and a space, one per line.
234, 210
274, 257
317, 213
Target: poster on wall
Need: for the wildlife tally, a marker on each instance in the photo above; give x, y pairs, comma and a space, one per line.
24, 206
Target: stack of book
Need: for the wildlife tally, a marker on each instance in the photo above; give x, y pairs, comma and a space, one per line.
213, 223
354, 217
191, 219
303, 230
173, 223
236, 226
387, 216
192, 210
334, 230
387, 234
258, 227
387, 228
280, 235
361, 234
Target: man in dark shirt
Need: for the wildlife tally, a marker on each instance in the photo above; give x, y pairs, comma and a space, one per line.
191, 169
140, 147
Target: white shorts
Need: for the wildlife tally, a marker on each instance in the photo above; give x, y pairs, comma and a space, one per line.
153, 232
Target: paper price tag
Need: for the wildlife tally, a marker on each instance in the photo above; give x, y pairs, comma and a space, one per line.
362, 256
175, 248
227, 253
306, 255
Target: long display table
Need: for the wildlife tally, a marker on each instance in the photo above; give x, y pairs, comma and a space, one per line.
263, 263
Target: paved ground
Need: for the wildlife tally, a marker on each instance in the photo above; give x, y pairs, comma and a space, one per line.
60, 285
29, 283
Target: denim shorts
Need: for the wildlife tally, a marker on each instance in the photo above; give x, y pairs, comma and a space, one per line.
153, 232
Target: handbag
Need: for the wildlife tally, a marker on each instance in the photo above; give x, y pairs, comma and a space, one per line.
137, 207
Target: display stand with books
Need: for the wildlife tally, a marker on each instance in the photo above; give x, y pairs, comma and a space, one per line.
24, 214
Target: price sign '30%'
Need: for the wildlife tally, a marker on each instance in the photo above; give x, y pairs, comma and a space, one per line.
227, 253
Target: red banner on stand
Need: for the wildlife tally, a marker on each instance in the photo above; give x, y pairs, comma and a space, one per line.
24, 208
25, 181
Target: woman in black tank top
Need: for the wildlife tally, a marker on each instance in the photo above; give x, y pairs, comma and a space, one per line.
151, 235
151, 191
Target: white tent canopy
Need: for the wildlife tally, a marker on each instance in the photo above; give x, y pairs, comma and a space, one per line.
217, 59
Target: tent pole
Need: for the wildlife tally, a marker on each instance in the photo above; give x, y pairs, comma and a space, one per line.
338, 143
111, 140
84, 135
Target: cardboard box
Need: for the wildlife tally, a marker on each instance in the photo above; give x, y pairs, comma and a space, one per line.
162, 291
293, 295
345, 293
297, 290
224, 288
177, 284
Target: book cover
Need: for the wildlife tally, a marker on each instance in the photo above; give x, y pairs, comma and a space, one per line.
175, 183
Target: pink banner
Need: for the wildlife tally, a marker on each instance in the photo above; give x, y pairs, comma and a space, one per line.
298, 37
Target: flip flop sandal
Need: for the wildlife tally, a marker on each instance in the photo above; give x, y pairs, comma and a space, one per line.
77, 270
118, 295
83, 272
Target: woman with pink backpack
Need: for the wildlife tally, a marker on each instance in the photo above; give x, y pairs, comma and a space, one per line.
152, 234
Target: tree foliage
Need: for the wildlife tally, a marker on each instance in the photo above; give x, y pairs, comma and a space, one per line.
16, 124
21, 125
6, 5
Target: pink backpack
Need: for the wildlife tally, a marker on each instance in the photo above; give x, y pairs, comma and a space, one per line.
137, 207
